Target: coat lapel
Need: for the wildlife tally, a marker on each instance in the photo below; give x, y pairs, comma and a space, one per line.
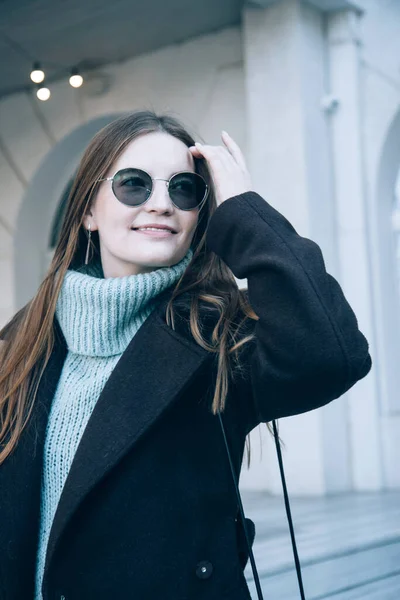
154, 370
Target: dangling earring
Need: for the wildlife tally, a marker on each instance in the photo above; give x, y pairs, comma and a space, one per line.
88, 244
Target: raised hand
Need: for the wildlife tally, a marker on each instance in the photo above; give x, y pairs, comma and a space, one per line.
227, 166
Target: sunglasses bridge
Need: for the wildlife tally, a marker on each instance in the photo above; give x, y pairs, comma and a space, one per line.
161, 179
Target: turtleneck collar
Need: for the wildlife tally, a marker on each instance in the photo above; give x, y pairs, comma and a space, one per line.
99, 317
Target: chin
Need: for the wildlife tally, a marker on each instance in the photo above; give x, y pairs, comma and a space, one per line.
156, 262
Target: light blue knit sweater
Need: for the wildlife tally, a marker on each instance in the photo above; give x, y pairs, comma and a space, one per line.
98, 318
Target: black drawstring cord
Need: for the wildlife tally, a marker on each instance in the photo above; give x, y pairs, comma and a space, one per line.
288, 513
249, 548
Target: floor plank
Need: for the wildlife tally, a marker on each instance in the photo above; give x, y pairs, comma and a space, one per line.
349, 546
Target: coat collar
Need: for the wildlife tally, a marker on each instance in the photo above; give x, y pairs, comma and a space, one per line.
157, 358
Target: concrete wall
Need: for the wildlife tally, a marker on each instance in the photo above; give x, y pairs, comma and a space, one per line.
331, 172
381, 143
354, 148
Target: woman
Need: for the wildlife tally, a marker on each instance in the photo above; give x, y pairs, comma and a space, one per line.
114, 481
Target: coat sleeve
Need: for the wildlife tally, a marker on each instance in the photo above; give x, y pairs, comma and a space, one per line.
307, 349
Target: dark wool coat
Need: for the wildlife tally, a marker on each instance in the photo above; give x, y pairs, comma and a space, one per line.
149, 499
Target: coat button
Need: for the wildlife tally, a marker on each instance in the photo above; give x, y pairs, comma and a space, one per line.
204, 569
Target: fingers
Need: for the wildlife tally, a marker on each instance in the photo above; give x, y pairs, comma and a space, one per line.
234, 149
195, 152
230, 149
216, 155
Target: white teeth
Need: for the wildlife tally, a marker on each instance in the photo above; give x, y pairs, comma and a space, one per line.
152, 229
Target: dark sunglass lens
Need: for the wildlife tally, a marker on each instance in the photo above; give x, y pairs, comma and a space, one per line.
187, 190
132, 186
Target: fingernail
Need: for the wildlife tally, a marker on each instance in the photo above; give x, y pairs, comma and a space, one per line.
198, 144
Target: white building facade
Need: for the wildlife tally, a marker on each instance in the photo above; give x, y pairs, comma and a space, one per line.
311, 92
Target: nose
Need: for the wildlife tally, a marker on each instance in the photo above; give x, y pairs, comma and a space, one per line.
159, 200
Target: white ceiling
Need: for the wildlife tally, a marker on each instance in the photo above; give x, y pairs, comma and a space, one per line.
64, 33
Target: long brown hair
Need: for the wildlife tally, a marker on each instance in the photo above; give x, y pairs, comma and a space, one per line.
29, 336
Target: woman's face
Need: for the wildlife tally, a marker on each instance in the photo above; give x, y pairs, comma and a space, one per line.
128, 251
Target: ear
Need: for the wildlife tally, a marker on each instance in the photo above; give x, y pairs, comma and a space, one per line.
89, 219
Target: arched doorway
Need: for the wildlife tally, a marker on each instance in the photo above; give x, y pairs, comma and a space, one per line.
38, 215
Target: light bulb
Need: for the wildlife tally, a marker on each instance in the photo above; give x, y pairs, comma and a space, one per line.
43, 93
76, 81
37, 74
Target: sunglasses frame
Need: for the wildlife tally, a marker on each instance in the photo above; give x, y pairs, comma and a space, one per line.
153, 179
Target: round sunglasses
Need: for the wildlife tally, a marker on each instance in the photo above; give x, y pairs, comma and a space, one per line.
134, 187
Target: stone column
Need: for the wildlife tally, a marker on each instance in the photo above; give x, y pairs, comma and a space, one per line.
350, 198
290, 161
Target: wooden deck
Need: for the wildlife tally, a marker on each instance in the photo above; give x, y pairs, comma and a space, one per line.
349, 546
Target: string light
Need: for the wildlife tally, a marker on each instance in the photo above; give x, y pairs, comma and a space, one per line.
37, 73
43, 93
76, 80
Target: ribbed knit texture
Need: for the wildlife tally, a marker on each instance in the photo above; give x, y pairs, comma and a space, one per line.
98, 318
